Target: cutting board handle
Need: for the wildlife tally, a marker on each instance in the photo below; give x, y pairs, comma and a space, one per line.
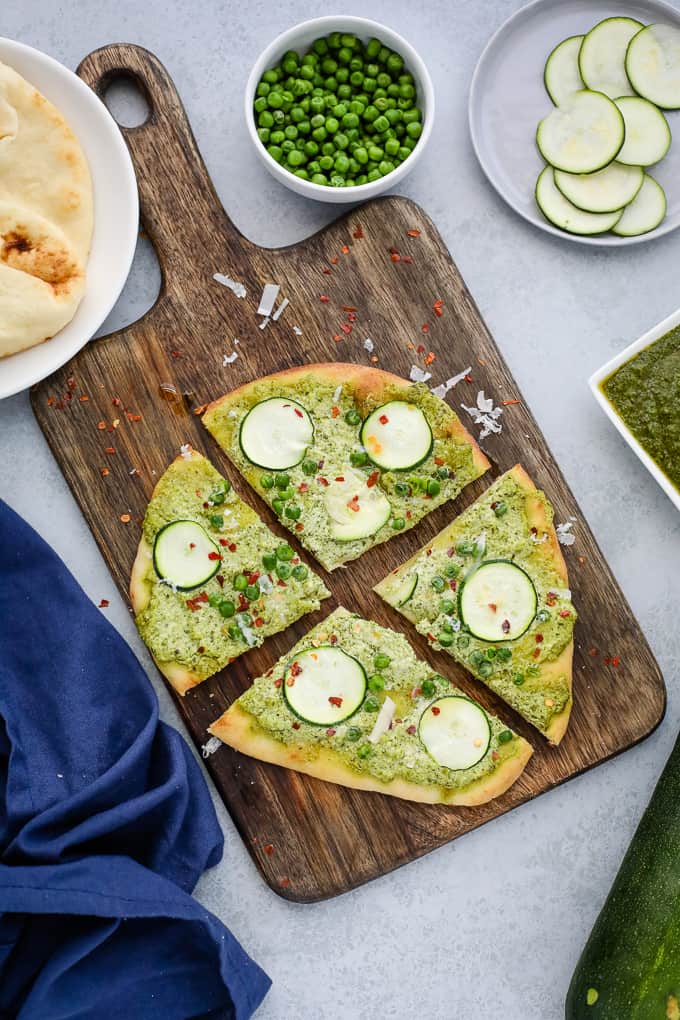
171, 174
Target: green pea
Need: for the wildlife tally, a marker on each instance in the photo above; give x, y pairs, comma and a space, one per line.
265, 119
504, 654
463, 641
352, 417
293, 513
317, 104
356, 79
370, 113
263, 88
326, 162
269, 560
328, 149
240, 582
296, 158
361, 154
252, 592
398, 523
263, 134
505, 736
385, 167
278, 505
344, 55
542, 615
332, 125
447, 627
357, 458
402, 489
364, 751
341, 140
283, 571
428, 688
287, 493
433, 487
491, 653
329, 66
353, 733
485, 668
313, 167
282, 480
235, 633
309, 467
453, 570
476, 657
319, 134
373, 175
276, 152
414, 129
214, 600
518, 679
300, 572
311, 148
381, 661
375, 152
438, 583
373, 48
447, 606
285, 552
372, 704
465, 548
392, 146
445, 640
320, 46
341, 164
217, 520
376, 682
369, 85
383, 80
226, 608
381, 124
319, 178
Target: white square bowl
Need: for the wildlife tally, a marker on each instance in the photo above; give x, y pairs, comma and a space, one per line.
598, 377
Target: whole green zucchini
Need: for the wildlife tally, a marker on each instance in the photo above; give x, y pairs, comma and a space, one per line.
630, 967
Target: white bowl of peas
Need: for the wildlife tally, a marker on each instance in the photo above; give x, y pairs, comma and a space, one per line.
339, 108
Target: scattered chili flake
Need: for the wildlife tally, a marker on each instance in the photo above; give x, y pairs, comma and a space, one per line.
536, 652
295, 669
493, 607
420, 349
299, 526
323, 481
335, 701
330, 732
192, 545
334, 261
407, 259
372, 479
259, 622
327, 271
103, 604
125, 518
104, 472
223, 541
344, 249
337, 338
358, 232
345, 327
340, 478
410, 346
201, 649
50, 401
414, 232
278, 682
324, 298
296, 725
592, 652
468, 378
116, 401
214, 556
84, 397
564, 613
505, 626
101, 424
200, 409
220, 580
176, 354
349, 308
411, 730
110, 450
539, 639
268, 848
435, 710
335, 411
438, 308
453, 585
425, 328
134, 417
616, 661
551, 598
374, 359
252, 578
429, 358
507, 403
333, 639
284, 883
353, 504
395, 256
495, 755
302, 487
383, 419
232, 547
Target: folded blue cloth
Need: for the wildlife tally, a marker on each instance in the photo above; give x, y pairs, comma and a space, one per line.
106, 823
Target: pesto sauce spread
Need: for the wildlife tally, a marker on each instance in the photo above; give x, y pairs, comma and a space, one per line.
334, 440
199, 638
512, 669
399, 753
645, 393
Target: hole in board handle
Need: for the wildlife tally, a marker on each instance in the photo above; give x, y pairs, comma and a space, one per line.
126, 101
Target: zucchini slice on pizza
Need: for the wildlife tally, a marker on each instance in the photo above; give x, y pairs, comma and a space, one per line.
351, 704
492, 590
210, 579
347, 456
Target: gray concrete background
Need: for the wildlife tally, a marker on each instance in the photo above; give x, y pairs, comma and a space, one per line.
493, 924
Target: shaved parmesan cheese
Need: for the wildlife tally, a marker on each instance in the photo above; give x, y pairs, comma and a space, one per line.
264, 584
443, 388
248, 635
418, 374
336, 394
564, 535
382, 723
229, 359
537, 540
212, 745
485, 414
238, 289
185, 450
170, 584
480, 545
264, 323
282, 307
297, 331
268, 299
369, 345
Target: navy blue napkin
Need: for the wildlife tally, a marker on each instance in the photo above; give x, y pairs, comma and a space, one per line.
106, 822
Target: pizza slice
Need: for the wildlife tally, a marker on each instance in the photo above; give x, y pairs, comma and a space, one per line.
352, 704
347, 456
210, 580
492, 590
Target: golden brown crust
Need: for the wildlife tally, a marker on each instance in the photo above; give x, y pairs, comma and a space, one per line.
240, 730
366, 381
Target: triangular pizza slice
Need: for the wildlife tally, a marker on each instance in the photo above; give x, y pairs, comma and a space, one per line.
492, 590
347, 456
210, 579
351, 704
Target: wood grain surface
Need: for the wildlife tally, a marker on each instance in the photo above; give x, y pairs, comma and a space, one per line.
312, 840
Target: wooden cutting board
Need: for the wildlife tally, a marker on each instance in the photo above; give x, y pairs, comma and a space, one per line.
312, 840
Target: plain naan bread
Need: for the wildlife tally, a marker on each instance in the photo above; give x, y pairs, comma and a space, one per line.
45, 216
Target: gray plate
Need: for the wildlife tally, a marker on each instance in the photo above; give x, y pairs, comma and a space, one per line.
508, 98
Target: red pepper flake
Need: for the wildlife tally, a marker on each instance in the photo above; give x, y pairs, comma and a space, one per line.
493, 607
176, 354
282, 584
125, 518
435, 710
564, 613
337, 338
383, 419
411, 730
334, 261
425, 328
539, 639
428, 552
439, 461
358, 232
195, 603
345, 327
324, 298
551, 598
340, 478
101, 424
438, 307
344, 249
103, 604
134, 417
420, 349
374, 359
453, 585
214, 556
252, 578
201, 649
507, 403
110, 450
323, 481
495, 755
372, 479
232, 547
220, 580
296, 725
414, 232
284, 883
407, 259
352, 316
327, 271
616, 661
408, 514
429, 358
468, 378
83, 397
299, 526
259, 622
295, 669
592, 652
330, 732
536, 652
349, 308
302, 487
353, 504
116, 401
335, 411
200, 409
223, 541
71, 383
104, 472
450, 552
299, 412
335, 701
243, 603
505, 626
268, 848
395, 256
192, 545
278, 682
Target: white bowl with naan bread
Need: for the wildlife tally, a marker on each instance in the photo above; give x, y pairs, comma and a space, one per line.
69, 215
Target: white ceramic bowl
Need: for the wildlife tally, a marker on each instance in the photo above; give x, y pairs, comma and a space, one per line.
116, 213
300, 38
603, 373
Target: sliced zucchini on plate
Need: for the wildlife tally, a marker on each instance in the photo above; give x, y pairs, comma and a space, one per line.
602, 56
653, 65
561, 74
356, 509
397, 436
276, 433
560, 211
645, 212
455, 732
606, 190
405, 590
582, 135
648, 136
324, 685
184, 555
497, 601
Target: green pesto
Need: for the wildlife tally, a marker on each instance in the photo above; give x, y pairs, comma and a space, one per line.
511, 668
645, 393
175, 633
336, 440
398, 753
